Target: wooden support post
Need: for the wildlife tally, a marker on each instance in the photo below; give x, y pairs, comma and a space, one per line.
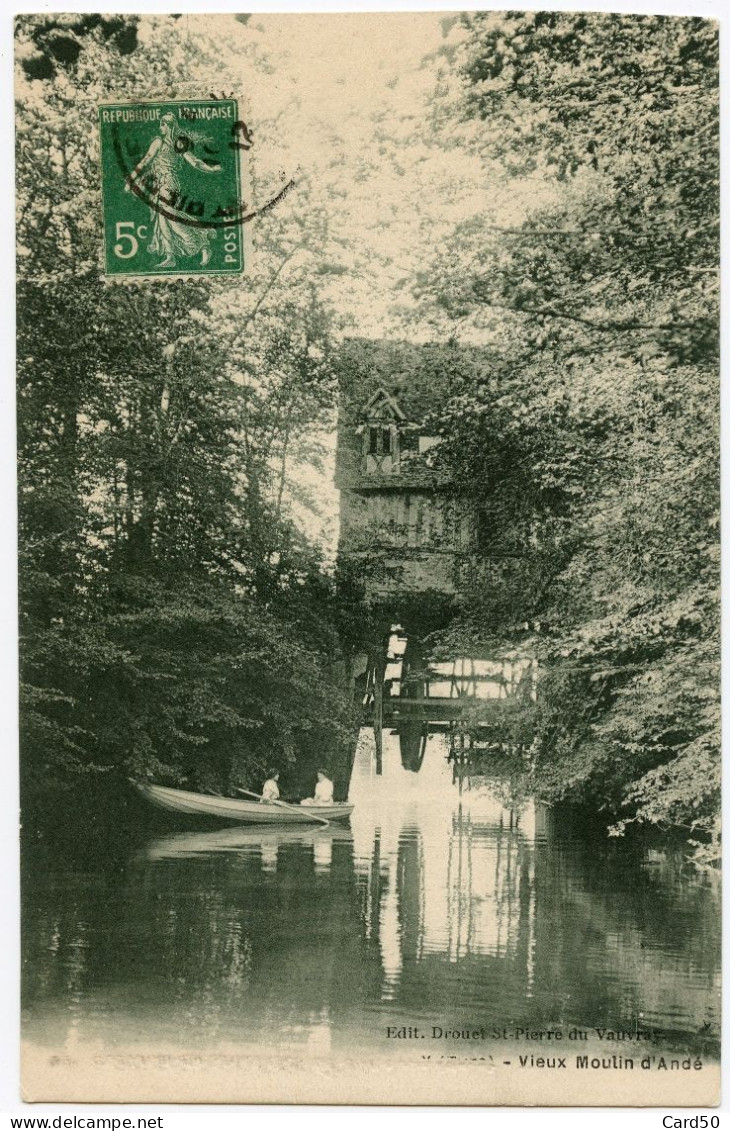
378, 678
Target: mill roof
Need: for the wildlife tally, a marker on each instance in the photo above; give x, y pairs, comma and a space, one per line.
420, 377
403, 382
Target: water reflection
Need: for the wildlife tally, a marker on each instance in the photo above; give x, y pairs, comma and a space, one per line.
266, 842
454, 880
434, 906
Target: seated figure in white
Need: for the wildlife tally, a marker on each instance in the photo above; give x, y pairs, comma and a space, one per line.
270, 791
324, 791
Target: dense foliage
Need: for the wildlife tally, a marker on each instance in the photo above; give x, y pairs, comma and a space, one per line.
174, 621
594, 438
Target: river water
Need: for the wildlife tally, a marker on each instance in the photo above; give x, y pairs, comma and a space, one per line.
436, 910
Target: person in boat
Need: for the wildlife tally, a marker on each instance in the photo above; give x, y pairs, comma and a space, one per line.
270, 790
323, 792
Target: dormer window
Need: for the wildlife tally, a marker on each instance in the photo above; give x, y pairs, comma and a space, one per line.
381, 448
381, 440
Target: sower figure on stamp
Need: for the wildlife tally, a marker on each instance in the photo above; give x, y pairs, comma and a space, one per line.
172, 238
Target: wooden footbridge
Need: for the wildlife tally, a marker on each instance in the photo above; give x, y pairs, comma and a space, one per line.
401, 692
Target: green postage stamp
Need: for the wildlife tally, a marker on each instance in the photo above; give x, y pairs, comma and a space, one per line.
171, 187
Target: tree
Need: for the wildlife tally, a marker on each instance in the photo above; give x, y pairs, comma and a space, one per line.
173, 618
595, 437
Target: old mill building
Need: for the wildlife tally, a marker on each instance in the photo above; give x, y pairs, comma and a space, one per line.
412, 539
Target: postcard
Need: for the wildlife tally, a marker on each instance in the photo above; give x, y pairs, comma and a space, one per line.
368, 437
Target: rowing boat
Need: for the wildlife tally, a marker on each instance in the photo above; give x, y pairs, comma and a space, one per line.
233, 809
